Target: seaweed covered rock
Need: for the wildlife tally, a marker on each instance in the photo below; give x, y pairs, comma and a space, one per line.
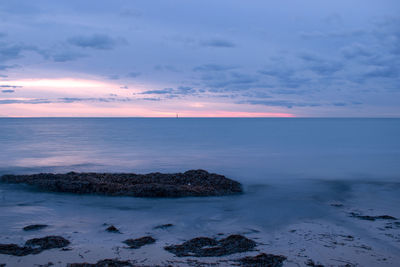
112, 229
33, 227
102, 263
266, 260
210, 247
371, 218
34, 246
139, 242
190, 183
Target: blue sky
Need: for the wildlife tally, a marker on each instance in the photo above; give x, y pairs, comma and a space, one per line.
200, 58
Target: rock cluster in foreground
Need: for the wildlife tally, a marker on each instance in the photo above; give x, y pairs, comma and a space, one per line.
210, 247
34, 246
190, 183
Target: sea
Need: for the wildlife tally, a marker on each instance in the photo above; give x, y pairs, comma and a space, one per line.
292, 170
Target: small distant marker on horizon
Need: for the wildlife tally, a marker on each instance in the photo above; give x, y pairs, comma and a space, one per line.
176, 115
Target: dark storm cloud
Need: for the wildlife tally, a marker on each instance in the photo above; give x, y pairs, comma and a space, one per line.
95, 41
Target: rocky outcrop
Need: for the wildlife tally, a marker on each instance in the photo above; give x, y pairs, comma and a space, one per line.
112, 229
371, 218
102, 263
139, 242
163, 226
190, 183
33, 227
34, 246
210, 247
266, 260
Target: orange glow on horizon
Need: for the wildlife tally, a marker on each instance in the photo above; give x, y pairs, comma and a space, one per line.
83, 110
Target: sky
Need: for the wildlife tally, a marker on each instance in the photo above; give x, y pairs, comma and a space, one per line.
208, 58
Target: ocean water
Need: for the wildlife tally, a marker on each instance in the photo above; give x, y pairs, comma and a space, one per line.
249, 150
291, 169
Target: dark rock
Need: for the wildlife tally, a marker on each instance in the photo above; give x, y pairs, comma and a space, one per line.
190, 183
262, 260
112, 229
34, 227
139, 242
371, 218
2, 265
310, 262
34, 246
163, 226
102, 263
210, 247
15, 250
47, 242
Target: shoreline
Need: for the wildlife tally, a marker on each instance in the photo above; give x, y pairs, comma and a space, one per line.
352, 231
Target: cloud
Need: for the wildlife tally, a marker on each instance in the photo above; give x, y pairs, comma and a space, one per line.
8, 91
133, 13
113, 77
382, 72
320, 65
165, 68
339, 104
184, 90
285, 76
355, 51
67, 56
218, 43
149, 99
231, 81
158, 92
280, 103
333, 34
24, 101
213, 67
95, 41
10, 86
14, 51
65, 100
171, 92
133, 74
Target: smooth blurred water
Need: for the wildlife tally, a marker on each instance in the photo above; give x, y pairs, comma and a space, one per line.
292, 170
250, 150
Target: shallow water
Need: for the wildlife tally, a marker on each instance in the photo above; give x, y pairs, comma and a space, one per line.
292, 169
